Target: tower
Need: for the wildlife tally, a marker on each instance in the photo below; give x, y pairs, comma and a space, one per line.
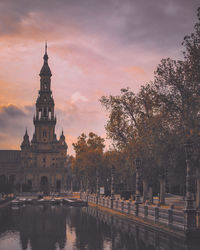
44, 120
44, 160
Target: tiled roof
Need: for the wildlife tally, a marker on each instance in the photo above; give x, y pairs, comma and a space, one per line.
9, 156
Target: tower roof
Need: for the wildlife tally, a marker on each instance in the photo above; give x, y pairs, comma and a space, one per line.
26, 142
45, 70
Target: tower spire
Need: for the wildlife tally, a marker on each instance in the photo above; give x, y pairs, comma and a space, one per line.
46, 48
45, 70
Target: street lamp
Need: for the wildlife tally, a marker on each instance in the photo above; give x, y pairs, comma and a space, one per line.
188, 151
112, 185
138, 164
190, 212
97, 187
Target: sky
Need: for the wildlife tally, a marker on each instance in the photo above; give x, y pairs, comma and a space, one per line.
95, 48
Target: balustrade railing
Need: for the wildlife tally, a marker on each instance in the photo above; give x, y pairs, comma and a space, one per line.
171, 217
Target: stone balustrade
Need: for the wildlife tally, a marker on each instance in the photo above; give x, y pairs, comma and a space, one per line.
170, 217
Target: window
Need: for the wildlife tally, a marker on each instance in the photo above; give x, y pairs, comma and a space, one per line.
40, 113
45, 112
49, 113
44, 133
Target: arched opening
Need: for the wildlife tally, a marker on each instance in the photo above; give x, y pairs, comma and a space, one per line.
44, 185
3, 185
29, 185
11, 182
12, 179
45, 112
58, 185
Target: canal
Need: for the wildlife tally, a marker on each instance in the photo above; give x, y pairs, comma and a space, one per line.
73, 228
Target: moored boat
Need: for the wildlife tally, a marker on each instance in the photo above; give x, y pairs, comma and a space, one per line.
74, 202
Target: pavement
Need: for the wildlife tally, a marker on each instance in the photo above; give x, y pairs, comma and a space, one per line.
172, 199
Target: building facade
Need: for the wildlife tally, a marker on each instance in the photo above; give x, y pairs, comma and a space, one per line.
42, 164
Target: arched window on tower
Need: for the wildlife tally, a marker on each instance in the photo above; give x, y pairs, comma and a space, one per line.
45, 112
40, 113
49, 116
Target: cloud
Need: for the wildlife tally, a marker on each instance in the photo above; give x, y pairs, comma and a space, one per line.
73, 119
95, 48
13, 122
77, 96
135, 70
156, 24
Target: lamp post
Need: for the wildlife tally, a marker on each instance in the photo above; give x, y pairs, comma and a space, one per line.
87, 188
112, 185
97, 187
138, 164
190, 211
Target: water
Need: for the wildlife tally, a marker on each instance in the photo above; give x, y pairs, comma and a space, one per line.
71, 228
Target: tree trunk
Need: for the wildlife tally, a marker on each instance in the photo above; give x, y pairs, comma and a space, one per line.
198, 191
150, 194
145, 190
162, 191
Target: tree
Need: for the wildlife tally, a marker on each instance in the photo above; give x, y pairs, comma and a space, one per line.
89, 158
154, 123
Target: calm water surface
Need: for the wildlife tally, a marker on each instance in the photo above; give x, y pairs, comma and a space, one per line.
54, 228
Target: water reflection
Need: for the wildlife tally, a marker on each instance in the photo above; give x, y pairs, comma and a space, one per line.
53, 228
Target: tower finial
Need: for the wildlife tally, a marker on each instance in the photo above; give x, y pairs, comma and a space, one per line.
46, 48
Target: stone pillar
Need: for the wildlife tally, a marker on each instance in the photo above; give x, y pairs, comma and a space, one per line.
190, 211
137, 191
145, 190
162, 190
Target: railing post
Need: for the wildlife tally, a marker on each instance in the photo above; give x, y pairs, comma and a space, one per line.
122, 204
145, 211
136, 209
117, 203
156, 213
170, 215
129, 206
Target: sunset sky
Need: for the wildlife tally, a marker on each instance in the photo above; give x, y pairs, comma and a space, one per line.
95, 48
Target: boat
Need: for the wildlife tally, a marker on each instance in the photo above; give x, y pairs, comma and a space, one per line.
74, 202
43, 201
17, 202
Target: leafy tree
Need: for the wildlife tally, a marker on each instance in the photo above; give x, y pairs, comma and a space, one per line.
89, 159
154, 123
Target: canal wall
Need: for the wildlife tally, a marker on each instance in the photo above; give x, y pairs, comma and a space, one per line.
142, 235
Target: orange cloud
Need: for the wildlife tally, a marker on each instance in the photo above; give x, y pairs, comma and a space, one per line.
135, 70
